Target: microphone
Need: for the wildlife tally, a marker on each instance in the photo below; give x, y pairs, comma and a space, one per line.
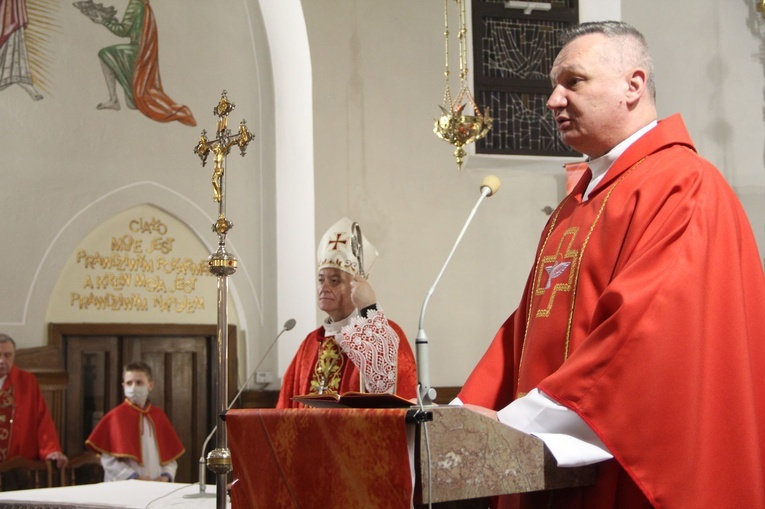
288, 325
489, 187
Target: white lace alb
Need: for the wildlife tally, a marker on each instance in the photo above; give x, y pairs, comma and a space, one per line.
372, 345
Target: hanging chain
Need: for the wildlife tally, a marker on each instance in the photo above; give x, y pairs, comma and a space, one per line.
447, 73
462, 37
464, 93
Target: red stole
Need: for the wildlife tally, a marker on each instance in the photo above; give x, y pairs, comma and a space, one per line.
6, 421
119, 432
31, 432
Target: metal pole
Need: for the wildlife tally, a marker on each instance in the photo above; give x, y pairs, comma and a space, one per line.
222, 440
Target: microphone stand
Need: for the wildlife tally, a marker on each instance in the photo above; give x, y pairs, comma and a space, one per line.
489, 186
288, 325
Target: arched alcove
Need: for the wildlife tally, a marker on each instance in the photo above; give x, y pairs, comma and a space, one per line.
141, 265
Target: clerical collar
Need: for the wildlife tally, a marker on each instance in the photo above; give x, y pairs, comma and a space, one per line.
333, 328
2, 380
600, 165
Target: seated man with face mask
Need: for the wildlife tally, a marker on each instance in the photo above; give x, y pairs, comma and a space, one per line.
136, 439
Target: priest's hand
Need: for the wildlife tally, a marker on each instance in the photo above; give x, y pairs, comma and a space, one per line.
362, 293
59, 457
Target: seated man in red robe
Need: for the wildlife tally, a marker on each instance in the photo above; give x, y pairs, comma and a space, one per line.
26, 427
136, 439
357, 348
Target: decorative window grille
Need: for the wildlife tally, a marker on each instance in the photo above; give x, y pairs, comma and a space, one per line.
512, 56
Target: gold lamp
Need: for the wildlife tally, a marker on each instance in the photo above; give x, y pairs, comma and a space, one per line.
455, 126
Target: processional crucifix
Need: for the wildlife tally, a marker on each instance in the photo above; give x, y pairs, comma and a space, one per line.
221, 264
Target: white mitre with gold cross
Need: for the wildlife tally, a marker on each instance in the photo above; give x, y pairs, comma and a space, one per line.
336, 251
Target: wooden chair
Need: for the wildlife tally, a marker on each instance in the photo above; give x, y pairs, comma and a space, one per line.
88, 464
20, 473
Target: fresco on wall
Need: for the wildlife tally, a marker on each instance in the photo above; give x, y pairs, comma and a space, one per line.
134, 65
24, 37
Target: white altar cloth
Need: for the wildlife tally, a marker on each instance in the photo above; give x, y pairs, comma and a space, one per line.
131, 494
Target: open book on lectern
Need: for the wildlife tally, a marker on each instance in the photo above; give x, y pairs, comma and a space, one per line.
353, 400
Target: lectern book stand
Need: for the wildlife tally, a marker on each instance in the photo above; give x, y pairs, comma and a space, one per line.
472, 457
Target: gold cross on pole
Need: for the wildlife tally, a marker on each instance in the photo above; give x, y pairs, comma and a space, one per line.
220, 147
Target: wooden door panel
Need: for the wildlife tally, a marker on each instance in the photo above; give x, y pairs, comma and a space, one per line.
97, 359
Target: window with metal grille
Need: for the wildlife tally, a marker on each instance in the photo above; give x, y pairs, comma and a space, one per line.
513, 51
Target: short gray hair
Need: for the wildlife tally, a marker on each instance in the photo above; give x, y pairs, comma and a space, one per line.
5, 338
636, 47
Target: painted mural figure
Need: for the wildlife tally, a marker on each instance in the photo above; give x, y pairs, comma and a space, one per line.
135, 65
14, 61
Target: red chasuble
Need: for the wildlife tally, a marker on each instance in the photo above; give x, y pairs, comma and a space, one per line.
26, 427
304, 374
645, 314
119, 432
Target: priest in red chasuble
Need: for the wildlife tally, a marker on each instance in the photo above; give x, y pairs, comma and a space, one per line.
357, 348
136, 439
26, 427
639, 341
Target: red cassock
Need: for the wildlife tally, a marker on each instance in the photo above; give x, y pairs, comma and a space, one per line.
301, 372
26, 427
645, 315
119, 432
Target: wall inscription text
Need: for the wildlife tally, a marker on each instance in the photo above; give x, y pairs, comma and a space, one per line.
140, 272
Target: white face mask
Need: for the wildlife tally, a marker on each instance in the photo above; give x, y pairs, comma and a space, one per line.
137, 394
